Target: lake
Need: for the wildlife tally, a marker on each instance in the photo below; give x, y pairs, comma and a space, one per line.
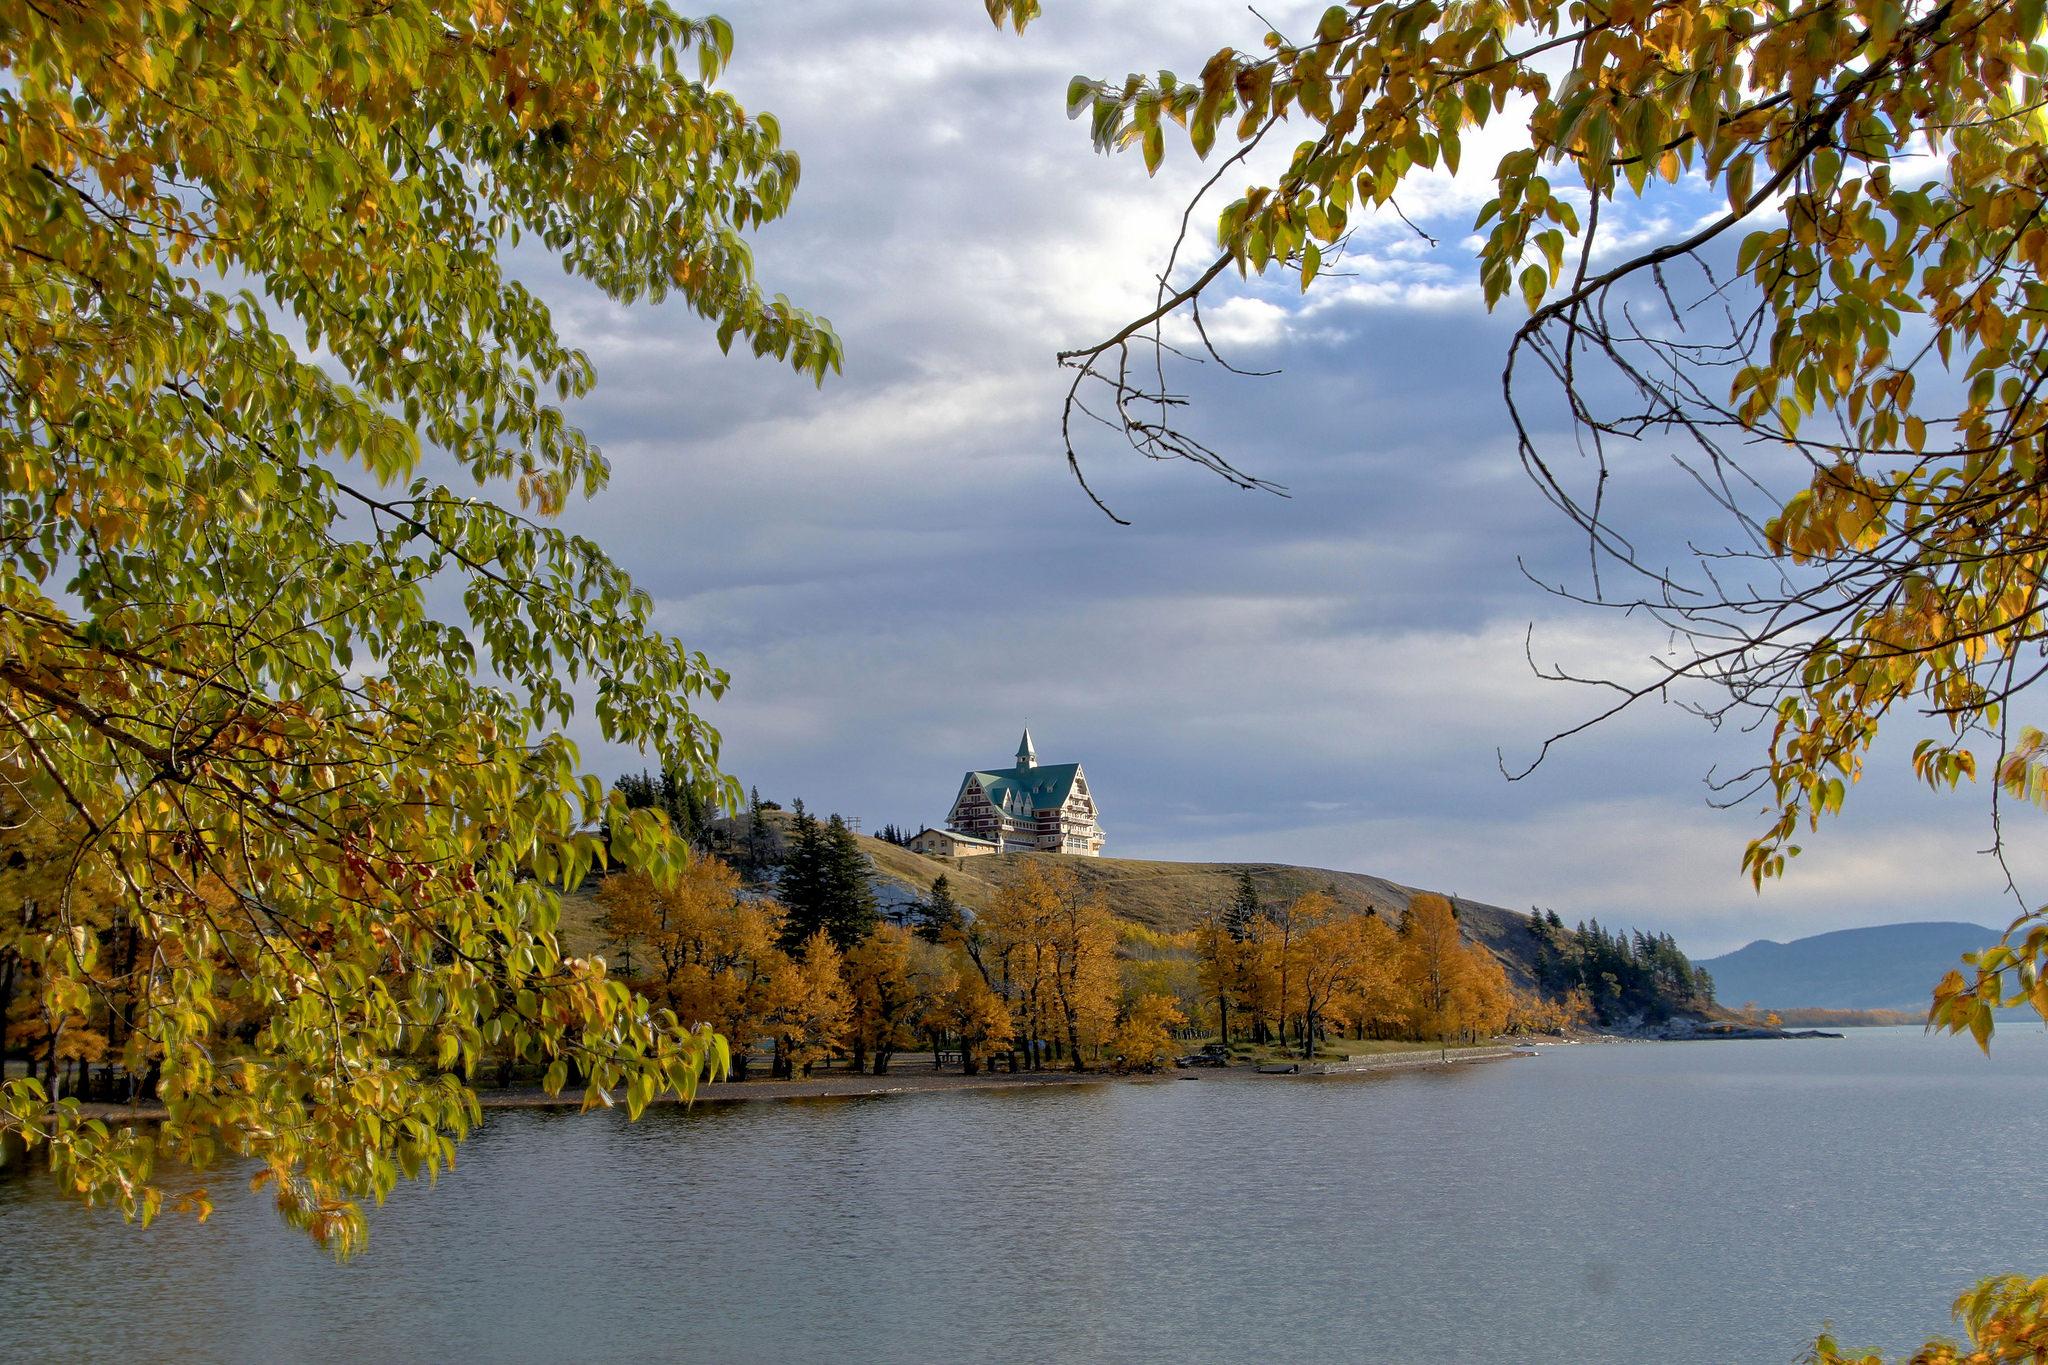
1677, 1202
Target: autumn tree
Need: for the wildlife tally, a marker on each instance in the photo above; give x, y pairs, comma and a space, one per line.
978, 1014
731, 987
675, 921
251, 274
889, 985
1009, 943
1219, 960
808, 1013
1435, 968
1082, 943
1144, 1033
1347, 967
1273, 966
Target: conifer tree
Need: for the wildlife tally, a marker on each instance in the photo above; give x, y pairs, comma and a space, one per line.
763, 848
1244, 908
850, 913
942, 917
803, 878
825, 884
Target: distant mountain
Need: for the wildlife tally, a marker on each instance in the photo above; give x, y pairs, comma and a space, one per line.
1887, 966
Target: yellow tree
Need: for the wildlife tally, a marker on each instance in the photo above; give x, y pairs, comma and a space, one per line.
1262, 973
886, 992
1012, 942
1144, 1036
732, 989
1294, 925
1346, 971
934, 972
674, 920
1485, 1001
1219, 965
979, 1015
1082, 939
1434, 967
808, 1007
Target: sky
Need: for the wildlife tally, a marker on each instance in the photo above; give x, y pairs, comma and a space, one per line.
899, 573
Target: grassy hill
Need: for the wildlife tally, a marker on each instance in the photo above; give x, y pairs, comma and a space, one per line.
1173, 896
1169, 897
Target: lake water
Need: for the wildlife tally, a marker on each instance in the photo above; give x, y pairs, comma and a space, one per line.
1704, 1202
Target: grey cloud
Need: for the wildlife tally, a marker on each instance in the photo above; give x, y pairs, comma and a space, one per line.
899, 572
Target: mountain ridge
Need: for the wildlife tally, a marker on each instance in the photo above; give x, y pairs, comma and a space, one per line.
1879, 966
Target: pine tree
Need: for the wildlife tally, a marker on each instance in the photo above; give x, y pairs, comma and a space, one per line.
825, 884
763, 847
942, 917
1244, 907
850, 914
803, 880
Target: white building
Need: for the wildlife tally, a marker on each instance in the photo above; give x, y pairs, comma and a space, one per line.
950, 843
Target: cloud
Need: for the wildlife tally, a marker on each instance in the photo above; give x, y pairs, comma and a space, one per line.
899, 571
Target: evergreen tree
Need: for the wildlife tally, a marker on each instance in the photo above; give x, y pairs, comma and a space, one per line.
942, 917
672, 794
763, 849
849, 897
1244, 907
803, 879
825, 884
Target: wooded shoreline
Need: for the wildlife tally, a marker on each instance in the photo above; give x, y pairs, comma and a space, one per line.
912, 1082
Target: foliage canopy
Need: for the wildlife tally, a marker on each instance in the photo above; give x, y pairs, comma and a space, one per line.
257, 331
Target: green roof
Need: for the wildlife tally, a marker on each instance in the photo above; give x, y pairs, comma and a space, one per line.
1023, 791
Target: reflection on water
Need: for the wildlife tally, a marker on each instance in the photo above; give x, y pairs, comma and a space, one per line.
1706, 1202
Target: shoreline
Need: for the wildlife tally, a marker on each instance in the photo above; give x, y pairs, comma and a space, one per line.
848, 1085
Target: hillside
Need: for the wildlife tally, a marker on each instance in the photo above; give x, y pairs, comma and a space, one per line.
1172, 896
1887, 966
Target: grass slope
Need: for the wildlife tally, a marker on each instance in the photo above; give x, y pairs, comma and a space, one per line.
1169, 897
1172, 896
